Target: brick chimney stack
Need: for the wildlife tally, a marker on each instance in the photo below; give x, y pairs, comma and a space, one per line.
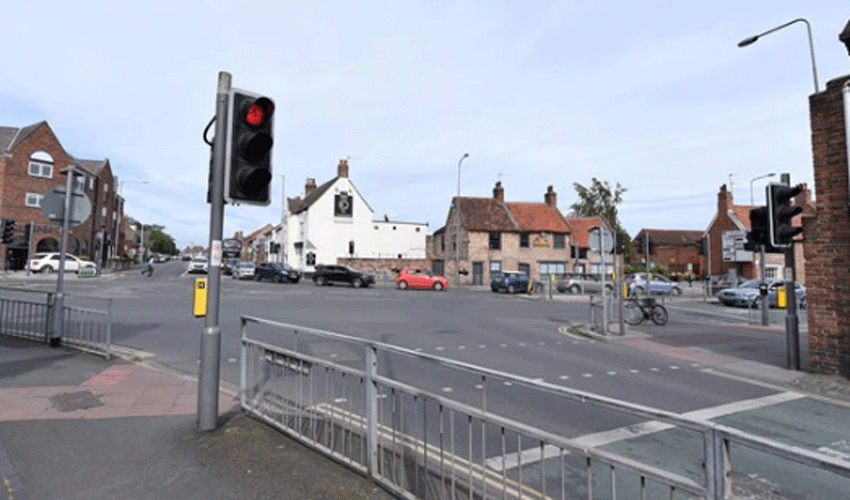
342, 168
309, 186
551, 197
499, 191
724, 200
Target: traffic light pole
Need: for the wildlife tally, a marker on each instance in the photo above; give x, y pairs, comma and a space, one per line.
792, 332
208, 381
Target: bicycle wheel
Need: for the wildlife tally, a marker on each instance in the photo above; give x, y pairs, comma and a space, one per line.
659, 315
632, 313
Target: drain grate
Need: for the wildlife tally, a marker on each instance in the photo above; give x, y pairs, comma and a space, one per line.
71, 401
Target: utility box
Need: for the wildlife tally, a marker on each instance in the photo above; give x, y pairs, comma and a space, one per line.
781, 297
199, 300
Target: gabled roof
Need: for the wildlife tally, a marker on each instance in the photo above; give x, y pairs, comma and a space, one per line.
537, 217
485, 214
298, 205
94, 167
580, 228
12, 136
672, 237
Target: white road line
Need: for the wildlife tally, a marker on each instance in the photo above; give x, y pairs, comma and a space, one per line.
598, 439
644, 428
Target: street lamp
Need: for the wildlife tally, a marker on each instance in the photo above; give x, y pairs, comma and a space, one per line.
752, 39
457, 220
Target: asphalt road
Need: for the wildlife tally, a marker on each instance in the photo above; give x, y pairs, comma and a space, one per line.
508, 333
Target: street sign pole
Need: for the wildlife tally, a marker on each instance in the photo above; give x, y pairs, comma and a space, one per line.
792, 333
59, 304
208, 381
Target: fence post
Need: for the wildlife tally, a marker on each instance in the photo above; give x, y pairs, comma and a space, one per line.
372, 410
50, 332
716, 464
109, 328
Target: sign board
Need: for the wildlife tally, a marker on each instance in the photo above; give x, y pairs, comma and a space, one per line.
607, 241
53, 206
733, 247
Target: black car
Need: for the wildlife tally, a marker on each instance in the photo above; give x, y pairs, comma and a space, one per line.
328, 275
277, 272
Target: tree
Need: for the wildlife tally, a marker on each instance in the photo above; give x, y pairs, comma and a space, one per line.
160, 241
601, 199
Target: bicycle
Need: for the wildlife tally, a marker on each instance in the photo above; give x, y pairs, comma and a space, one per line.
635, 310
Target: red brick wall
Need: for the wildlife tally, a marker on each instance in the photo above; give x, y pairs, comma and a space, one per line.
827, 235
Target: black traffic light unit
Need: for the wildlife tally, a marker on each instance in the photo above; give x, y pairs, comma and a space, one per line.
781, 213
759, 233
248, 151
8, 230
27, 232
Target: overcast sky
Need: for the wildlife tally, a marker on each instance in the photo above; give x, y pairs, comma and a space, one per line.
655, 95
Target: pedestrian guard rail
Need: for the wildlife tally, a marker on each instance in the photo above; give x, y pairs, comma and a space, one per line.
379, 409
30, 314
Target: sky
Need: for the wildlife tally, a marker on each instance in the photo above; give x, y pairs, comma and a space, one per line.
653, 95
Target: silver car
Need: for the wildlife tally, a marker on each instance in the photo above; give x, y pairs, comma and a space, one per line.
584, 283
242, 270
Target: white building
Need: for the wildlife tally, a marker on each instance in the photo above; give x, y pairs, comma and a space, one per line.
334, 221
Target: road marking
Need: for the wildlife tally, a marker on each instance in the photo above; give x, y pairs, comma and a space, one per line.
482, 346
447, 389
532, 455
441, 348
587, 375
461, 347
634, 371
612, 373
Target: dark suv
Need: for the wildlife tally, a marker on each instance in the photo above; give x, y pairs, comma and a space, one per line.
329, 275
277, 272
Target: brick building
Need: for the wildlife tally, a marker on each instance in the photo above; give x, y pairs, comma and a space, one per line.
583, 258
676, 250
31, 163
496, 236
827, 234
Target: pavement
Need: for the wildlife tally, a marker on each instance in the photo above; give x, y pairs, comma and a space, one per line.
77, 426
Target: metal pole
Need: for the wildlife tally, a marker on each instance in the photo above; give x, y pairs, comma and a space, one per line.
59, 308
602, 251
765, 316
457, 221
208, 380
792, 333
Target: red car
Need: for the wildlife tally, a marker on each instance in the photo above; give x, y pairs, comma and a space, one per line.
420, 278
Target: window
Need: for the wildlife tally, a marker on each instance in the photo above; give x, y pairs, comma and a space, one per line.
311, 259
552, 267
495, 241
33, 199
559, 240
495, 266
38, 169
523, 240
79, 183
443, 242
525, 268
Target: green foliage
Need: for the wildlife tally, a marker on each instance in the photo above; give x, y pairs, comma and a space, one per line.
639, 268
601, 199
160, 241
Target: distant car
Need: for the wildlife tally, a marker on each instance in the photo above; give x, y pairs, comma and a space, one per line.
227, 265
198, 264
747, 292
49, 261
329, 275
658, 285
511, 282
420, 278
242, 269
277, 272
583, 283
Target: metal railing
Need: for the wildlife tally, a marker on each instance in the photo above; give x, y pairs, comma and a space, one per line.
420, 443
82, 328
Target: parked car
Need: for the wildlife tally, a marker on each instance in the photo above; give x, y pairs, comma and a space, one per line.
583, 283
420, 278
658, 285
511, 282
330, 275
227, 265
48, 262
198, 264
277, 272
242, 269
747, 292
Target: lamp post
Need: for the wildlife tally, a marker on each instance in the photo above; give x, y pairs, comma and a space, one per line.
752, 39
120, 209
765, 318
457, 221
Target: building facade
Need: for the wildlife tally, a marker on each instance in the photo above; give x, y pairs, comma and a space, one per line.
334, 221
677, 250
585, 258
485, 236
32, 161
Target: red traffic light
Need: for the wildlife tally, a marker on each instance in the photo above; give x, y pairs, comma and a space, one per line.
258, 111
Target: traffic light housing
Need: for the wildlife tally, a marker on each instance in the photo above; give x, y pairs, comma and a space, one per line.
759, 233
248, 152
27, 232
8, 230
781, 213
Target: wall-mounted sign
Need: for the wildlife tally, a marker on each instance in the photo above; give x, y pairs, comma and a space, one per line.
541, 240
343, 205
733, 247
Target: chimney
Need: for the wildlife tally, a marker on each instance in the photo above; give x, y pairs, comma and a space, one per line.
499, 191
551, 197
724, 200
342, 168
309, 186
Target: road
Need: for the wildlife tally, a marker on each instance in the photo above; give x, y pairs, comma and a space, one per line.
517, 335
